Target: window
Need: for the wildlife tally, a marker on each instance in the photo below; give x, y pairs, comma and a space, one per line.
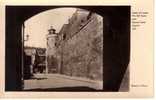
55, 44
82, 20
64, 36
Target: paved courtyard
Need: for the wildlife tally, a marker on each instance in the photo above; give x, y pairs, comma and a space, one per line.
50, 81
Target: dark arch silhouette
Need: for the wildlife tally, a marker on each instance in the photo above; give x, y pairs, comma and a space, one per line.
116, 42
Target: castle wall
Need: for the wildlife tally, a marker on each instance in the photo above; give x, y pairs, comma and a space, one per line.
81, 54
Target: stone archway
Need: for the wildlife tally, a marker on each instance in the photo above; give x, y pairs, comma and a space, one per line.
116, 42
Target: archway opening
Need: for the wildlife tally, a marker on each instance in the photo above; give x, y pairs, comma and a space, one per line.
63, 46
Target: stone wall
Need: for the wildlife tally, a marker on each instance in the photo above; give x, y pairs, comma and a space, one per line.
82, 54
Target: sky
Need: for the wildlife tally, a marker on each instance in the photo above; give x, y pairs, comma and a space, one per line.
37, 26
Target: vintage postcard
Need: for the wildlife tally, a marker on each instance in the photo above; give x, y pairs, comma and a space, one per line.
76, 49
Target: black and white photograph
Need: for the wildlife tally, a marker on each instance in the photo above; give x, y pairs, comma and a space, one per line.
67, 48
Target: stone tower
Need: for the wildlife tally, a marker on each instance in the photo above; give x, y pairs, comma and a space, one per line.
51, 49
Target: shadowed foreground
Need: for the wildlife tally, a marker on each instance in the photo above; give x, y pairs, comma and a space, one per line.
63, 89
